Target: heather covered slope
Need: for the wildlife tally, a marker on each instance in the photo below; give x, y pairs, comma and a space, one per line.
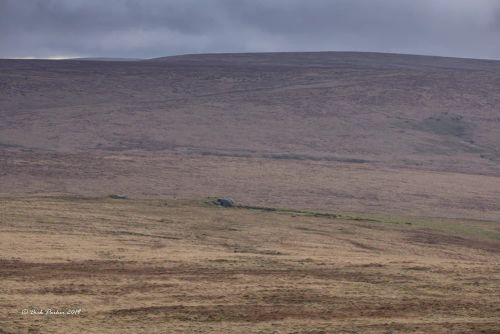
377, 107
239, 123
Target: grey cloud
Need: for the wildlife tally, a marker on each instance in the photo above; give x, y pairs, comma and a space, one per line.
153, 28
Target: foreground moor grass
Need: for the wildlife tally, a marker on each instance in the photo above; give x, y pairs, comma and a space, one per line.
179, 266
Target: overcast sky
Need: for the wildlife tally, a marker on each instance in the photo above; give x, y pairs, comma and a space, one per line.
154, 28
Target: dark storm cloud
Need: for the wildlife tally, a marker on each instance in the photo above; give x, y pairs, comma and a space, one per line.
151, 28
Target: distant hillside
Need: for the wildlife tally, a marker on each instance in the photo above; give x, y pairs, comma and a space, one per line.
106, 59
333, 59
353, 131
328, 105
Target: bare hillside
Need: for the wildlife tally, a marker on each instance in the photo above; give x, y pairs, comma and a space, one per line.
371, 106
67, 124
367, 190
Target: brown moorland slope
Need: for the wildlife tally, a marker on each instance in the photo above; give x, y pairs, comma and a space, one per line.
349, 131
156, 266
369, 184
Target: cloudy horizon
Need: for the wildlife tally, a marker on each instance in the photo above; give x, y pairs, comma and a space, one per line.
154, 28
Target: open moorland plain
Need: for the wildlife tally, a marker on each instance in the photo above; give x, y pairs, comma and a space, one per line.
368, 188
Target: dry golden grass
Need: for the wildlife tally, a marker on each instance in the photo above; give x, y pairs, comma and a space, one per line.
394, 140
318, 185
178, 266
